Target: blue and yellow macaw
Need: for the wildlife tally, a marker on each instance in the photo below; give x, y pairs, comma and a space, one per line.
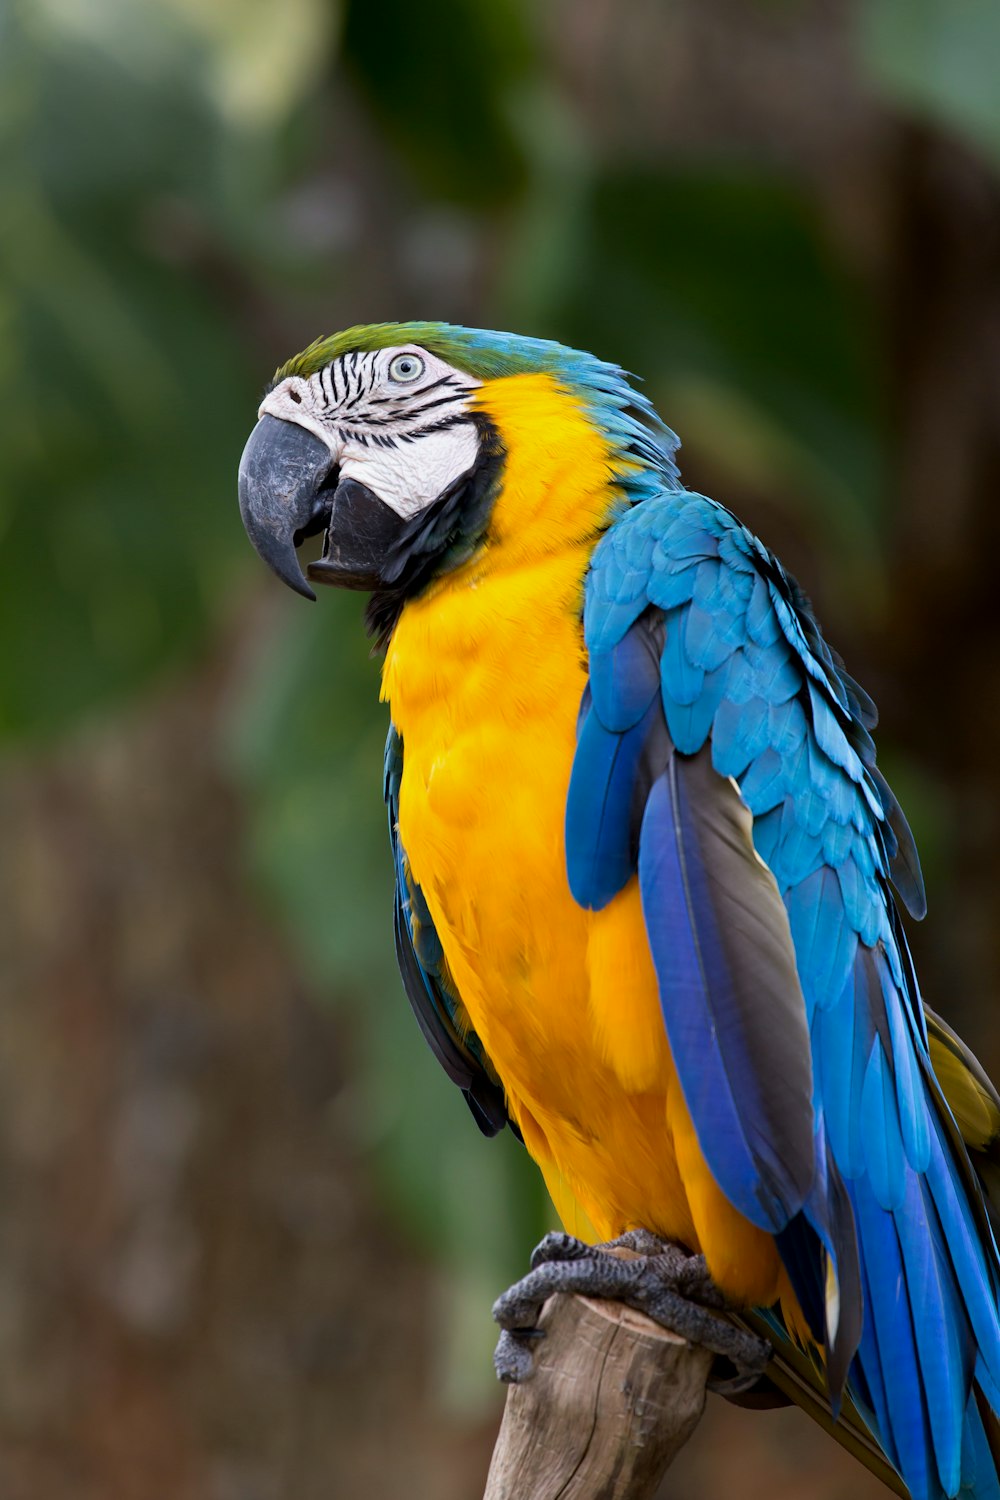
643, 859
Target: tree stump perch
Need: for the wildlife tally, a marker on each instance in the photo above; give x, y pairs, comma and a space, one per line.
611, 1400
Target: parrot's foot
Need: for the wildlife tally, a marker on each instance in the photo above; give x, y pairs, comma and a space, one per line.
664, 1282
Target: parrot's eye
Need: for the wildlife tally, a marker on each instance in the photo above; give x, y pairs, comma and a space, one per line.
406, 368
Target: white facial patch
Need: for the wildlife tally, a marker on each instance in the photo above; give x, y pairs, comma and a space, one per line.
412, 477
396, 420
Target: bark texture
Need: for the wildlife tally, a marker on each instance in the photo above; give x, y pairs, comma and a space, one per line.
612, 1399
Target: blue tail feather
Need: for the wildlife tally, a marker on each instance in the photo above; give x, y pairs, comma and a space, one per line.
979, 1469
944, 1342
889, 1307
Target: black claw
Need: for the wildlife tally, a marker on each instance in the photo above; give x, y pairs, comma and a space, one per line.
641, 1241
512, 1357
559, 1247
737, 1384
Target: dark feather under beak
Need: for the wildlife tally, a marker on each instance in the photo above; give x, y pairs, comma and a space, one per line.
289, 490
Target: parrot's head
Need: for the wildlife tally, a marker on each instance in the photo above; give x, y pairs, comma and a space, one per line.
383, 438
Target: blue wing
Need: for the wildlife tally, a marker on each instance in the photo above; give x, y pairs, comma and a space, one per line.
717, 728
437, 1008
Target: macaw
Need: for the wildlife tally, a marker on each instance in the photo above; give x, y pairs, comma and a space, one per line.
643, 861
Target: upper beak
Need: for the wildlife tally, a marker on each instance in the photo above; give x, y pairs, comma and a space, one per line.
283, 497
289, 490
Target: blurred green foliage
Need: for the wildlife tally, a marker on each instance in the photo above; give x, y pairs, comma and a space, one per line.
937, 58
125, 381
445, 81
724, 291
151, 246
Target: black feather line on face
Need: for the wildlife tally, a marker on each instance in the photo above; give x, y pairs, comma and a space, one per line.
440, 537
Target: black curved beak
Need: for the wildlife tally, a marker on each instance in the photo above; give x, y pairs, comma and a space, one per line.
282, 496
288, 492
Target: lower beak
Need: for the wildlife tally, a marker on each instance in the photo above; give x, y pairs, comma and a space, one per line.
361, 534
288, 491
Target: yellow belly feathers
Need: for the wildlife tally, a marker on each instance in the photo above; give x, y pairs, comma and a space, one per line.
484, 676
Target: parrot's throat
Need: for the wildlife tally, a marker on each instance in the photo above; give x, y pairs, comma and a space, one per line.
437, 539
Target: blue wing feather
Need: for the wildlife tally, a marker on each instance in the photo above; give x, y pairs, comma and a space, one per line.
762, 1161
625, 680
747, 678
690, 722
600, 840
676, 946
880, 1132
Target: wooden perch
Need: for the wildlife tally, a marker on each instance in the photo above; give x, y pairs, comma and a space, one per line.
612, 1398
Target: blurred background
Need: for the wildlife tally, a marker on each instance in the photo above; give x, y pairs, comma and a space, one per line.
249, 1235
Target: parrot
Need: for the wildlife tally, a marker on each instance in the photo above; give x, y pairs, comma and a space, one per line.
648, 879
